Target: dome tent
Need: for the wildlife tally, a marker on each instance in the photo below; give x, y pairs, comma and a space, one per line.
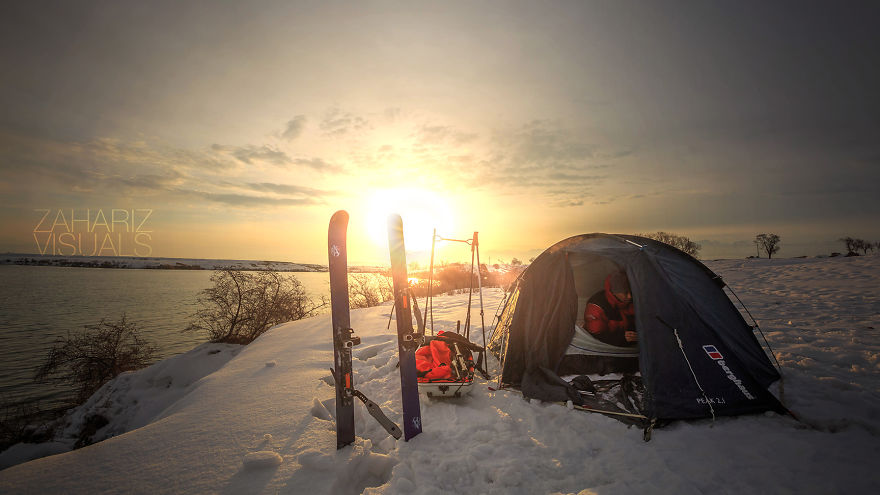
697, 356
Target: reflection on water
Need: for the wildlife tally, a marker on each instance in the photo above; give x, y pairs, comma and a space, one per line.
39, 304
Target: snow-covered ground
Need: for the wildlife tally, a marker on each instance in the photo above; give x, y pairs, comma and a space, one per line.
259, 419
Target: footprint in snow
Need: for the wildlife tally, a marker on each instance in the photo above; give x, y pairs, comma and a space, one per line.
262, 459
321, 410
316, 460
369, 352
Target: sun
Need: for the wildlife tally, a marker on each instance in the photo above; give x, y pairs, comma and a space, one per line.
422, 211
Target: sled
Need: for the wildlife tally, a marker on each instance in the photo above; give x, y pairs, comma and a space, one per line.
445, 365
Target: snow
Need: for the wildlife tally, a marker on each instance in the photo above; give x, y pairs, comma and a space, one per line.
262, 459
131, 400
259, 419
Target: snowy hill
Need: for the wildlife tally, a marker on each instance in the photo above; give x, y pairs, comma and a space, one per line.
259, 419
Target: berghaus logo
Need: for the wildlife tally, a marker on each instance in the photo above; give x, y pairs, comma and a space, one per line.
713, 352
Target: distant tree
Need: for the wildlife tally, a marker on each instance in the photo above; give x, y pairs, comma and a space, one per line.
859, 245
242, 305
863, 246
677, 241
769, 243
91, 358
850, 244
515, 262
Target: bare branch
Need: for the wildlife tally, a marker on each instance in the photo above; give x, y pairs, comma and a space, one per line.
260, 300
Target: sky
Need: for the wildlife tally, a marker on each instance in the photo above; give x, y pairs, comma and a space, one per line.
235, 130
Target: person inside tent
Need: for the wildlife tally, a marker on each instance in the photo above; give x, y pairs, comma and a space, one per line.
609, 315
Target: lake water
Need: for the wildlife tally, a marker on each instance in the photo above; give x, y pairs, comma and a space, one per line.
39, 304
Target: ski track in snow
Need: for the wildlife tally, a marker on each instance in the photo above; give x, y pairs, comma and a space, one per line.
260, 419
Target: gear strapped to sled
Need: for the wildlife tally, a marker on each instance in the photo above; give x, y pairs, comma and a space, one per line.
445, 365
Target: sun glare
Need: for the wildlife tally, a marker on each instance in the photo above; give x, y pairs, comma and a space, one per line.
421, 210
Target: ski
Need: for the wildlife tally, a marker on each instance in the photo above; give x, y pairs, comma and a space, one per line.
407, 339
344, 339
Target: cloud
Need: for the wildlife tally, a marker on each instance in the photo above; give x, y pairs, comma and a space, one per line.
392, 113
268, 194
102, 165
248, 201
440, 134
294, 128
544, 178
249, 154
565, 203
287, 189
318, 164
538, 158
134, 170
338, 123
138, 183
548, 159
544, 144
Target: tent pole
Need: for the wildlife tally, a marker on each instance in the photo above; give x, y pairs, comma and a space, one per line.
390, 315
480, 285
467, 321
429, 299
769, 347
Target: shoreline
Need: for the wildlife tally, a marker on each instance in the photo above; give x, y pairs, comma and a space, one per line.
153, 263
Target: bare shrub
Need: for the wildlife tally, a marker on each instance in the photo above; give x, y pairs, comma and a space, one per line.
242, 305
18, 423
366, 291
95, 356
677, 241
455, 276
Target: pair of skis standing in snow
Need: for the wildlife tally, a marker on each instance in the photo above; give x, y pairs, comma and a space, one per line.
344, 339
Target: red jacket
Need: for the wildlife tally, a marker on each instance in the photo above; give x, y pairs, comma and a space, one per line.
607, 318
433, 361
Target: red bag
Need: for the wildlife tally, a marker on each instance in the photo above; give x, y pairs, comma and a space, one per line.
433, 361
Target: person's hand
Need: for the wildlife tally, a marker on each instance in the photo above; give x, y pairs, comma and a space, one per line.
631, 336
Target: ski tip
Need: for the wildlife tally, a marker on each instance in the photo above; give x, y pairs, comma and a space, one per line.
395, 234
339, 215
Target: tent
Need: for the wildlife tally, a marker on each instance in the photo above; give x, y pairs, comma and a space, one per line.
696, 355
